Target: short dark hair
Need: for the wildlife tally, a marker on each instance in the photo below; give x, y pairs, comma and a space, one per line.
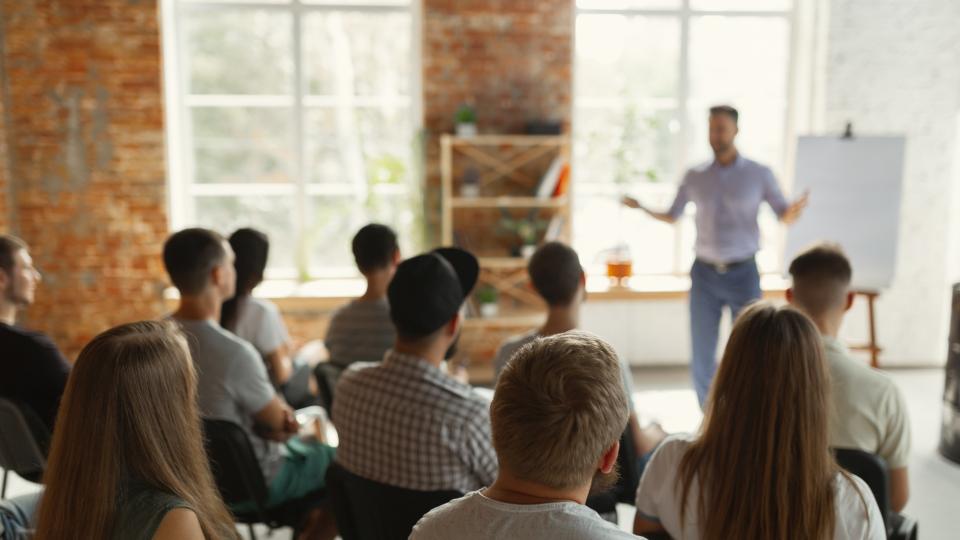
373, 247
821, 276
190, 255
555, 272
727, 110
9, 246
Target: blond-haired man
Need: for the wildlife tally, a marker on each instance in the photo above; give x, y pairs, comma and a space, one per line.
557, 415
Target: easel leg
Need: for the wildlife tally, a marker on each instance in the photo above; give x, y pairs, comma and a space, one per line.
874, 350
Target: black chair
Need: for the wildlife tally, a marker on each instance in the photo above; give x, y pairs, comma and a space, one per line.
625, 490
327, 376
240, 480
368, 510
24, 440
872, 469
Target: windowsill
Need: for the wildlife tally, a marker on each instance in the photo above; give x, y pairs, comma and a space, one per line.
331, 293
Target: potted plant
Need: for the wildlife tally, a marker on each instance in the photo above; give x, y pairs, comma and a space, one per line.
488, 297
466, 121
527, 229
470, 185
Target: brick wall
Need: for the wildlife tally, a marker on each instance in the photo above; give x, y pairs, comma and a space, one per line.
85, 140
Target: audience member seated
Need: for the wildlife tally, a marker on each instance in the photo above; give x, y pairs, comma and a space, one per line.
557, 415
127, 459
556, 274
259, 322
233, 383
32, 370
18, 516
405, 422
361, 331
761, 466
869, 412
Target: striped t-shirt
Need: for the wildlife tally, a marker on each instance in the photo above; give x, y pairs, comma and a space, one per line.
360, 331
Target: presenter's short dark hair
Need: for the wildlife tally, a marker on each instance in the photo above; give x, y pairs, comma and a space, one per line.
373, 247
727, 110
190, 255
555, 272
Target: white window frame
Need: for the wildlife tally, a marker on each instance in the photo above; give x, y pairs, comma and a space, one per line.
684, 14
182, 190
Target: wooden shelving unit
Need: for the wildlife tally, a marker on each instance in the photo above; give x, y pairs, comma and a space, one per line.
508, 170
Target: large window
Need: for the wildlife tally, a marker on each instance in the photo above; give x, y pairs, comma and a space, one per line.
646, 73
296, 117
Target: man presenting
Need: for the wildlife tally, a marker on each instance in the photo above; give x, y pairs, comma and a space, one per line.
727, 192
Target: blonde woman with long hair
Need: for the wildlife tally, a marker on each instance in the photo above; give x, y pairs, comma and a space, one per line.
761, 467
127, 458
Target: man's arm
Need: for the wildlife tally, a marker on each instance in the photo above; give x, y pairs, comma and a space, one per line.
899, 489
276, 421
660, 216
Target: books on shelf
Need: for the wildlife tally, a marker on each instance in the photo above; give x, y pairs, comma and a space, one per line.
554, 229
550, 180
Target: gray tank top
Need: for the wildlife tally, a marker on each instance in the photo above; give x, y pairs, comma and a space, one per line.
141, 509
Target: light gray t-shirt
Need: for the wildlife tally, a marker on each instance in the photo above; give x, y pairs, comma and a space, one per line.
360, 331
509, 347
232, 384
259, 322
476, 517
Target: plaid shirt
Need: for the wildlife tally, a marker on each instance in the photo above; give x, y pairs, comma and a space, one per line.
406, 423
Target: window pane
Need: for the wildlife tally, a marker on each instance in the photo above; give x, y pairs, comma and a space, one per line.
344, 145
627, 57
271, 214
628, 4
332, 223
742, 61
242, 144
244, 51
354, 53
743, 5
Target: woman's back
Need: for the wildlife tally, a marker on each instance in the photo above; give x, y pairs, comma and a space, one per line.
140, 509
659, 498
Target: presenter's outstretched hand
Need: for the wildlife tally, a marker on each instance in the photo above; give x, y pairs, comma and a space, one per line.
630, 201
795, 210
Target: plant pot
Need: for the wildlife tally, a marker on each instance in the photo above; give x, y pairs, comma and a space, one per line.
489, 310
470, 190
528, 250
466, 130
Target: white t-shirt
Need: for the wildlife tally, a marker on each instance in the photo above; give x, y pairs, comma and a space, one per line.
658, 498
476, 517
260, 323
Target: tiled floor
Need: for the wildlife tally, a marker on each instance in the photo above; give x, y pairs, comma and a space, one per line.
935, 482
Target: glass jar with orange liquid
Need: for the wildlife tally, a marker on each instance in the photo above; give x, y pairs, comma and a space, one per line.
619, 265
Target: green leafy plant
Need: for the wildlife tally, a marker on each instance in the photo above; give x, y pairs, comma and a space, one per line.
487, 294
527, 228
465, 115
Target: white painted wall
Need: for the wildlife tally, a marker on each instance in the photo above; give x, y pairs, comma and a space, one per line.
890, 67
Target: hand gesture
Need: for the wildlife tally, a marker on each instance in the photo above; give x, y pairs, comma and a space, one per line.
795, 210
630, 202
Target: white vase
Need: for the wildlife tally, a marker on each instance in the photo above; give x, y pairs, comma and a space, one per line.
470, 190
489, 310
527, 251
466, 130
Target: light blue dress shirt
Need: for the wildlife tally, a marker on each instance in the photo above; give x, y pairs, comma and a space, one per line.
728, 199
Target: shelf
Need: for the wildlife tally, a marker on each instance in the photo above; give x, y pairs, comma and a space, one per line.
516, 140
502, 262
522, 320
508, 202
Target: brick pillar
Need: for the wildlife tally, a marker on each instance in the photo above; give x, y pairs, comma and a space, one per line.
86, 149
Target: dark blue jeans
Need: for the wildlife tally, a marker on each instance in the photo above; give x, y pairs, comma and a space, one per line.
710, 292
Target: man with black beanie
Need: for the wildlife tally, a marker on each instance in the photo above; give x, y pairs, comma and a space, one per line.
406, 422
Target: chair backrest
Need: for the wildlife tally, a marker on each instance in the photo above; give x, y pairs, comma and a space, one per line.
872, 469
327, 375
368, 510
23, 439
234, 464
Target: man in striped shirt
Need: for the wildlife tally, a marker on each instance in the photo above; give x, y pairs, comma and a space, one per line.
361, 331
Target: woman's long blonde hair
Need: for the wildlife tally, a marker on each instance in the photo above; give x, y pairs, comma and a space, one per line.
762, 459
129, 413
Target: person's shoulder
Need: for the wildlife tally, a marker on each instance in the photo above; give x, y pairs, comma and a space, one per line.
672, 449
261, 305
358, 372
228, 344
445, 520
755, 166
858, 515
861, 377
514, 343
22, 338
